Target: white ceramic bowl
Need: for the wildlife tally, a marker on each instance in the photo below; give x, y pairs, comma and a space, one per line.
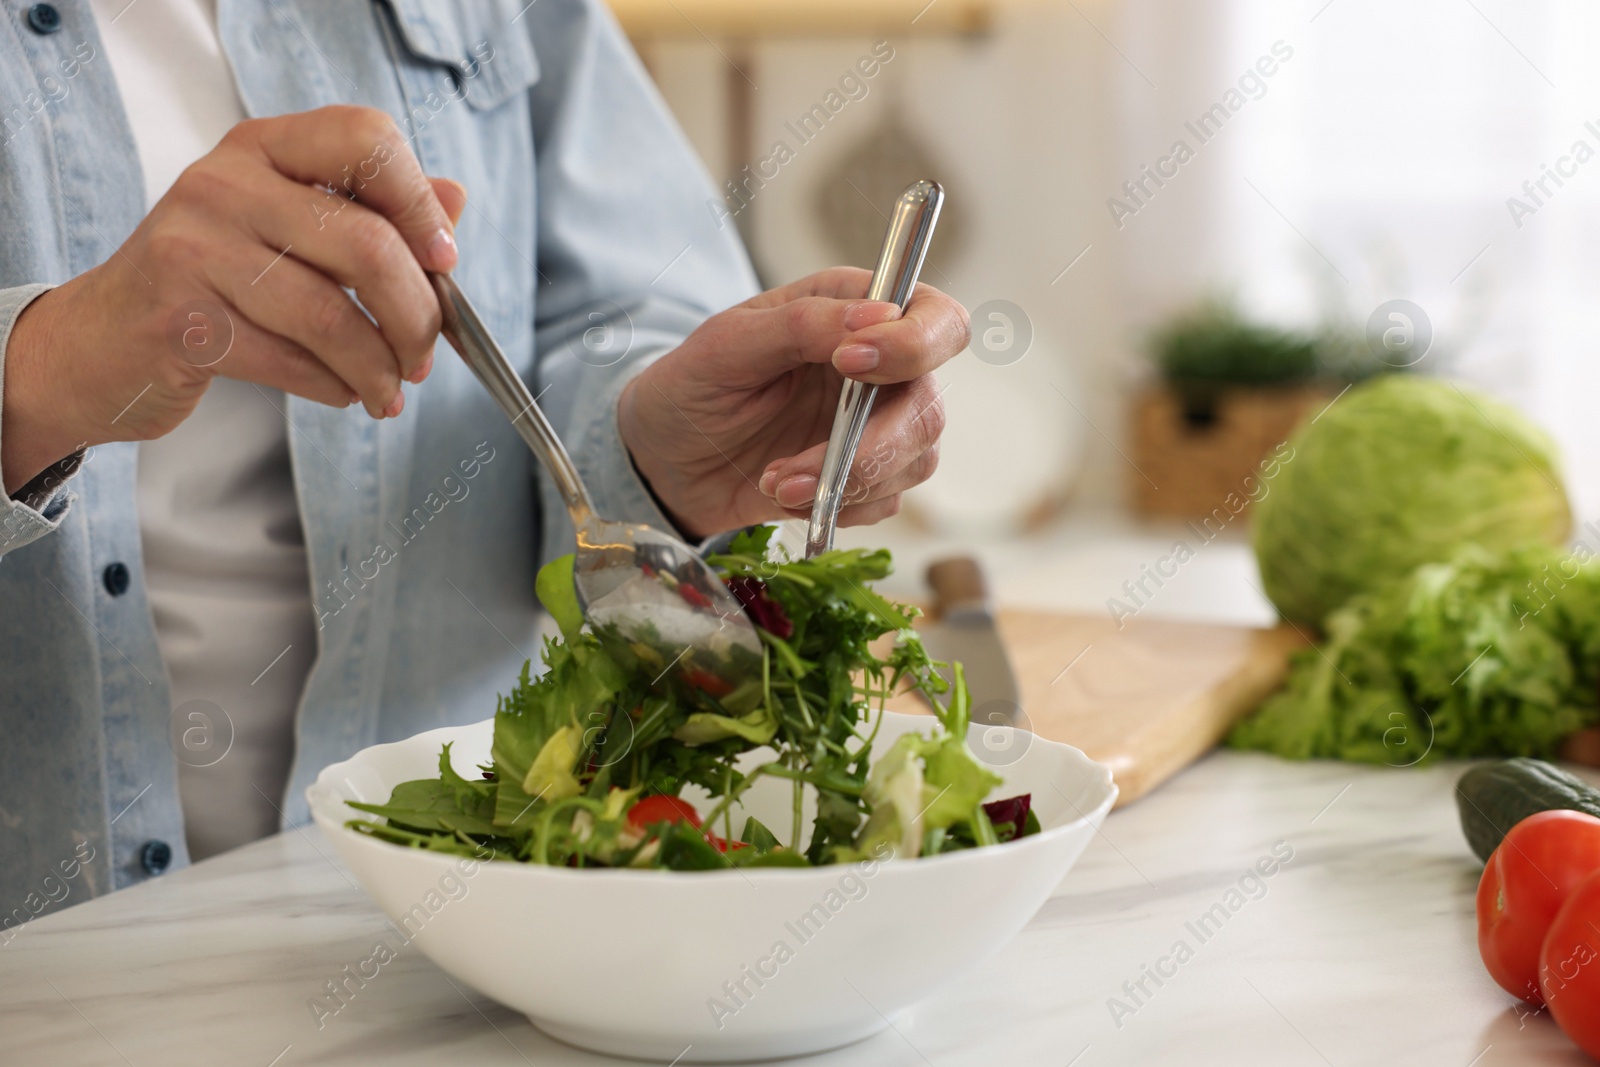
724, 965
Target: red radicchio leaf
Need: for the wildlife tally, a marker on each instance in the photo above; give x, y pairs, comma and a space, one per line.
1013, 810
764, 611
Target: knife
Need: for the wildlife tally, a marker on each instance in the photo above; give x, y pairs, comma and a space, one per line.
964, 631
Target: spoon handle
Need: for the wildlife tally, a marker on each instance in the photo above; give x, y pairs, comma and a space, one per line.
905, 243
466, 332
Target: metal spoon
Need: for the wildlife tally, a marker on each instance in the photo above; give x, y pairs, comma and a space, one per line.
633, 580
905, 243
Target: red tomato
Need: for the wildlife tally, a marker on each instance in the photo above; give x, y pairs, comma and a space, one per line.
695, 678
694, 597
1569, 966
1527, 879
658, 809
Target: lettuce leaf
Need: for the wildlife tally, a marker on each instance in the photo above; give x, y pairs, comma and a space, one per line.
1488, 654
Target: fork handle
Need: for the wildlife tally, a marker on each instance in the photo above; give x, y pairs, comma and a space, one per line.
905, 243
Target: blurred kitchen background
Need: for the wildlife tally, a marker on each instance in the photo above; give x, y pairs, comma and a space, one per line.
1337, 155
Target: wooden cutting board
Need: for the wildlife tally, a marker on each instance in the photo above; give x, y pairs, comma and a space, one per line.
1146, 699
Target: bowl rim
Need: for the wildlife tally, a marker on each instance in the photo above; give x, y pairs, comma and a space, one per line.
315, 792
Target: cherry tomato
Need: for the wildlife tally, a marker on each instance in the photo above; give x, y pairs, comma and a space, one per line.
659, 809
1527, 879
693, 596
695, 678
652, 811
1569, 966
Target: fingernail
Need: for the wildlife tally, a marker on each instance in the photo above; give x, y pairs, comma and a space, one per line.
441, 252
870, 313
395, 406
422, 371
797, 490
767, 482
355, 398
856, 359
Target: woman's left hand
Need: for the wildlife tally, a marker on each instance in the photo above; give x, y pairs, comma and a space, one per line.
730, 427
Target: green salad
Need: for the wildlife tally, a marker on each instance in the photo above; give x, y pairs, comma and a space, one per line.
590, 757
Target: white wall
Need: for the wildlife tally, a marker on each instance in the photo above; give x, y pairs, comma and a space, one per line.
1376, 164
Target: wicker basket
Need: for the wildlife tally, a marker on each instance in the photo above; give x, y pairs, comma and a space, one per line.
1190, 460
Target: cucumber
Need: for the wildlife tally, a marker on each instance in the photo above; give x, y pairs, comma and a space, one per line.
1494, 797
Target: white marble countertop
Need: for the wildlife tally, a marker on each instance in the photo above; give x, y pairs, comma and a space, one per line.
1360, 950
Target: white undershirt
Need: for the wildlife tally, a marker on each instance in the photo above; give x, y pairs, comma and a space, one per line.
224, 556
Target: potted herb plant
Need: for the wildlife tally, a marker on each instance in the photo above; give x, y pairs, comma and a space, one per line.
1230, 392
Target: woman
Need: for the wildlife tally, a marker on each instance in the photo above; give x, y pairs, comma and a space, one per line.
251, 524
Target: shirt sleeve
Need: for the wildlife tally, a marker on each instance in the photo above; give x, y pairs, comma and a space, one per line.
635, 247
38, 507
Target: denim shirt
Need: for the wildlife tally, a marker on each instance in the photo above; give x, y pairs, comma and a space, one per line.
587, 246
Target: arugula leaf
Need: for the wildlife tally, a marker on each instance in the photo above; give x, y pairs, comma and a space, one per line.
455, 844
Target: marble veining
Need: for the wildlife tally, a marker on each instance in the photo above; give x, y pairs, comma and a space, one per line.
1359, 949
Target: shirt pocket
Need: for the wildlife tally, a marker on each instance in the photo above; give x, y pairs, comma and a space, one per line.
487, 57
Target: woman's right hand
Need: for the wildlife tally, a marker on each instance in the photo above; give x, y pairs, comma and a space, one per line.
241, 270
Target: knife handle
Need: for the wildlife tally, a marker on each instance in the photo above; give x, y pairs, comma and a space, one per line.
957, 582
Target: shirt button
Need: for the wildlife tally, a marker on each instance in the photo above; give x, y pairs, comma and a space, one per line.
155, 856
115, 578
44, 18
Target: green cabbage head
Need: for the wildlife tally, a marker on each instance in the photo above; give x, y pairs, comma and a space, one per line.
1398, 472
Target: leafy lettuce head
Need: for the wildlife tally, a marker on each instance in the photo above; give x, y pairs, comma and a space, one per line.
1399, 472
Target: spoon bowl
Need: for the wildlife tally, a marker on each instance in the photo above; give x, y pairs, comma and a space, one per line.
651, 589
634, 582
